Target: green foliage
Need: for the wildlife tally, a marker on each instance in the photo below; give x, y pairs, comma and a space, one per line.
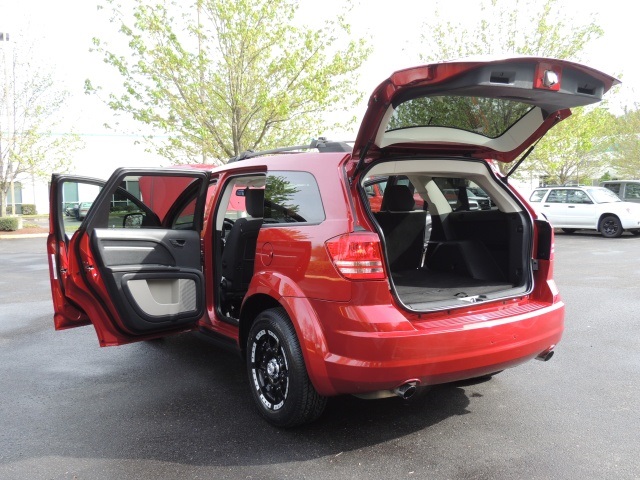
8, 224
488, 116
626, 150
542, 29
576, 149
507, 27
227, 76
29, 209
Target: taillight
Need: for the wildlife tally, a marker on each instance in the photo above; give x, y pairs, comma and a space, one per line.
545, 240
357, 256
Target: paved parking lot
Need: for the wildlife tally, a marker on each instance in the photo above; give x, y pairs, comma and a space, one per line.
179, 408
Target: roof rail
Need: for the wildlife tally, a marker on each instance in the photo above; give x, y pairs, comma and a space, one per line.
321, 144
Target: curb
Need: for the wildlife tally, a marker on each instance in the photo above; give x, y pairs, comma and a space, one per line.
24, 235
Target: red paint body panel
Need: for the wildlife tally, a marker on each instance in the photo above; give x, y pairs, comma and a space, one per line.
356, 336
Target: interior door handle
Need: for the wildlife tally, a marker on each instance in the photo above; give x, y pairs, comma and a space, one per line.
179, 243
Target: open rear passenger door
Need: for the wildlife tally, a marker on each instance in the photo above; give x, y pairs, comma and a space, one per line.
132, 266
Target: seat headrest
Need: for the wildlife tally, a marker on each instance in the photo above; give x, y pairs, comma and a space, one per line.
398, 198
254, 202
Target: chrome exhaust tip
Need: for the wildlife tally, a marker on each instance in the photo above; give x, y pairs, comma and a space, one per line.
546, 355
406, 390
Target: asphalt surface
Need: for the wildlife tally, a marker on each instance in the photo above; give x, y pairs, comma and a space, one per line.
180, 407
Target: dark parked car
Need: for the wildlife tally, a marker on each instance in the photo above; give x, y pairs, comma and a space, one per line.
283, 258
627, 190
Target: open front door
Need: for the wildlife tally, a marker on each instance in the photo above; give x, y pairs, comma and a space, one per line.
128, 258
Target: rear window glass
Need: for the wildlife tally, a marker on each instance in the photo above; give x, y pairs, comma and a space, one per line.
486, 116
292, 197
537, 195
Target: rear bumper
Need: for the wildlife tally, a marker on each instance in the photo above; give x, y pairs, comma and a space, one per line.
395, 350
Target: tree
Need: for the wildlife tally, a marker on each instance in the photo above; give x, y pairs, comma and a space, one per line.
228, 76
29, 108
576, 151
626, 149
506, 27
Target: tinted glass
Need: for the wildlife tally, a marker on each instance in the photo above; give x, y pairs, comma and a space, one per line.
557, 196
464, 194
578, 196
632, 191
490, 117
614, 187
292, 197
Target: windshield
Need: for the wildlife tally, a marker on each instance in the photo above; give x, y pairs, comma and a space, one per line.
603, 195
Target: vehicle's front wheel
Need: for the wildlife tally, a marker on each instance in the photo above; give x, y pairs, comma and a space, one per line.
610, 227
278, 377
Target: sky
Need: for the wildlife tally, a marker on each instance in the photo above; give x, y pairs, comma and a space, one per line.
61, 34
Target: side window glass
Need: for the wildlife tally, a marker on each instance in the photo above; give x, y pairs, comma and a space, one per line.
632, 191
580, 197
146, 201
374, 188
183, 219
77, 200
614, 187
538, 195
463, 194
292, 197
557, 196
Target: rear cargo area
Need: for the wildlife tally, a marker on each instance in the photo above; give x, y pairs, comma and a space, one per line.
446, 249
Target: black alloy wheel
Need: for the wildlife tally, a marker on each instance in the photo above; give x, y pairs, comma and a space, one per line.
610, 227
278, 377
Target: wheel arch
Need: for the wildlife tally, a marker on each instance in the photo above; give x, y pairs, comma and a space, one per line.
307, 327
250, 310
603, 216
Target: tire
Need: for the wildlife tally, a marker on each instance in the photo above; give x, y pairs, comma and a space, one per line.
610, 227
569, 230
278, 378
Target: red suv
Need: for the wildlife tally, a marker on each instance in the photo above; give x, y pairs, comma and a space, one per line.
282, 257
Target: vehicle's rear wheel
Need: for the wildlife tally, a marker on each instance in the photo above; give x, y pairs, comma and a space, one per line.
610, 227
569, 230
278, 378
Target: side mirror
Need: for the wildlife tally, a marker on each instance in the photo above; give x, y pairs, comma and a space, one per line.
133, 220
